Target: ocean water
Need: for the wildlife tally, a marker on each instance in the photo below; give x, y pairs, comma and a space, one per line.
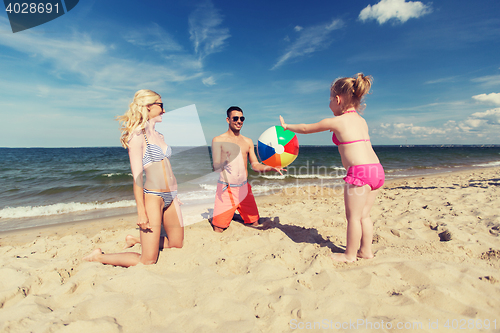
40, 186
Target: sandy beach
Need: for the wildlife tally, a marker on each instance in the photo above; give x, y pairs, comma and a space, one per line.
437, 261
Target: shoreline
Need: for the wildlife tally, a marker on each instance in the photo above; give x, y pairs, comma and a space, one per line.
88, 216
199, 209
437, 258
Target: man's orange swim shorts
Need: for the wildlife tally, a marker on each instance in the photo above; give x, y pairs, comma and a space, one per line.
230, 197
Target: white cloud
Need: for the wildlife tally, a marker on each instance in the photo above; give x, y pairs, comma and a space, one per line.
209, 81
478, 126
154, 37
490, 80
490, 117
206, 35
493, 98
399, 10
310, 40
442, 80
402, 130
311, 86
97, 64
298, 28
76, 74
70, 51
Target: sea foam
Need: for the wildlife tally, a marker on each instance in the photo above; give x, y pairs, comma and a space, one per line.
61, 208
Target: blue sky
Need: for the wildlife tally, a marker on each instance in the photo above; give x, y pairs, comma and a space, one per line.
436, 68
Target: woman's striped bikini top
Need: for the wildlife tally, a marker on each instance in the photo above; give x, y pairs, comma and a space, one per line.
154, 153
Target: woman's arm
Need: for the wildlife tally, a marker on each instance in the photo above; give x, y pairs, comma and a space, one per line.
327, 124
135, 149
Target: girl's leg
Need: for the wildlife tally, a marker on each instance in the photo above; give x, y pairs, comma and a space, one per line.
355, 199
174, 225
365, 249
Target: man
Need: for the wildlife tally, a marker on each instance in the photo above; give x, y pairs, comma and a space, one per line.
231, 152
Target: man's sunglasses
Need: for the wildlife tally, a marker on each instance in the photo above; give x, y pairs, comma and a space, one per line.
235, 118
160, 104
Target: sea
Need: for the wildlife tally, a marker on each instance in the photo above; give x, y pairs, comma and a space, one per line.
45, 186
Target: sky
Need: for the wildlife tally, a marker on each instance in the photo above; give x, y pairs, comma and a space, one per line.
435, 66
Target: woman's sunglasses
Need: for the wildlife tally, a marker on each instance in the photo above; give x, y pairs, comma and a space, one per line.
160, 104
235, 118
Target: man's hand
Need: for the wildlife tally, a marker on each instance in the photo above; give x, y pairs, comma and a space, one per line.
279, 169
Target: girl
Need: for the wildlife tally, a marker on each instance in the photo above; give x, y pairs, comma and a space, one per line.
156, 200
365, 174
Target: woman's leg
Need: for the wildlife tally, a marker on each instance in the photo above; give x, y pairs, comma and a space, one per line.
174, 225
125, 259
175, 232
149, 238
131, 241
355, 199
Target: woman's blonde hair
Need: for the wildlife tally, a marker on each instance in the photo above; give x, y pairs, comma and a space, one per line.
137, 114
352, 90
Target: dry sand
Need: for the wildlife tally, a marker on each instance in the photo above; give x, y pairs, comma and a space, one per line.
437, 258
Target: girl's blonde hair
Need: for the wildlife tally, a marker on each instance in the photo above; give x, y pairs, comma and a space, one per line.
352, 90
137, 114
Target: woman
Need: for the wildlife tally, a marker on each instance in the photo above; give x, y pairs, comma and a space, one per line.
157, 201
365, 174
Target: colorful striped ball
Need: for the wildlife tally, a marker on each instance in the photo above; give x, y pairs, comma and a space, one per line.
277, 147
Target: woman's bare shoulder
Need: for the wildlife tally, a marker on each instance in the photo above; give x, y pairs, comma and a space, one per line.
136, 137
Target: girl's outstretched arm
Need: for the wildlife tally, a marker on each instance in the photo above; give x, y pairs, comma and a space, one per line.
327, 124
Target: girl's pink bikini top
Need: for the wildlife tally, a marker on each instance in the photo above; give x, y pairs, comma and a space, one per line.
337, 142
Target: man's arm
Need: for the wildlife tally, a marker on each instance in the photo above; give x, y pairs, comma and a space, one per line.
218, 164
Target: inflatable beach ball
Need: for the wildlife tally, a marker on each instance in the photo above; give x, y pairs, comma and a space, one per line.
277, 147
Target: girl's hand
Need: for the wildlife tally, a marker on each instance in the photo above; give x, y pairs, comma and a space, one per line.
143, 222
282, 121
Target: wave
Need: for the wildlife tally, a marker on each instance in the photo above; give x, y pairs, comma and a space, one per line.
61, 208
317, 176
196, 196
273, 176
489, 164
305, 176
117, 174
209, 187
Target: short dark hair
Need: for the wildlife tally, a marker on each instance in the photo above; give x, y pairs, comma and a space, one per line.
233, 108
